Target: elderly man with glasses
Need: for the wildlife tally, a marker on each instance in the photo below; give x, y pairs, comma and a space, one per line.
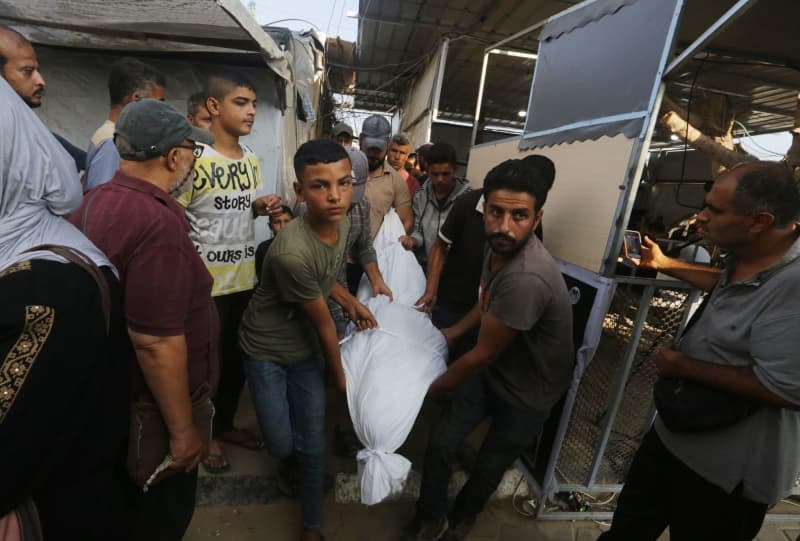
170, 315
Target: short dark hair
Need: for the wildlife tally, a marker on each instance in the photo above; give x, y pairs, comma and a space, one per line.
517, 176
400, 139
129, 75
221, 81
768, 187
284, 210
422, 150
544, 165
318, 151
440, 153
195, 101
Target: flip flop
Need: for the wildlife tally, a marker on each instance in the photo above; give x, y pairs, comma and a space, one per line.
216, 463
243, 438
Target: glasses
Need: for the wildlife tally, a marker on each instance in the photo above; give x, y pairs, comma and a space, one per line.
197, 150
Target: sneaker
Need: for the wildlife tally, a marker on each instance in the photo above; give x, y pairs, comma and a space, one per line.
420, 529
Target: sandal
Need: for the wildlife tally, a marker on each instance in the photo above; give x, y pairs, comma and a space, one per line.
216, 463
243, 438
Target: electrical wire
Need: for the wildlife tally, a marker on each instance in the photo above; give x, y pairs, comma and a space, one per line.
341, 16
594, 499
377, 68
686, 139
330, 18
294, 19
520, 510
752, 142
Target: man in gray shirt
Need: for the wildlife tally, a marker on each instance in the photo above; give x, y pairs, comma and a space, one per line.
718, 483
521, 365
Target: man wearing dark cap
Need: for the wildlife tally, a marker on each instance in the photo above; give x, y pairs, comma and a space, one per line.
343, 135
386, 189
171, 318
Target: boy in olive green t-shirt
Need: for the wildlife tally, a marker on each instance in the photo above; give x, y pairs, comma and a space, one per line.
287, 330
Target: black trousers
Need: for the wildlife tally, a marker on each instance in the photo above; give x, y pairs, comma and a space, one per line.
165, 511
512, 430
231, 371
444, 316
662, 491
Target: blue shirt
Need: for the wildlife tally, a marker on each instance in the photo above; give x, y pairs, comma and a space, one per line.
102, 161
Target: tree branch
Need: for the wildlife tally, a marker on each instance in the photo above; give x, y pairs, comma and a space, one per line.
716, 151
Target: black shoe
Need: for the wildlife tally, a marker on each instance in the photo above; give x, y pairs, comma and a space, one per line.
420, 529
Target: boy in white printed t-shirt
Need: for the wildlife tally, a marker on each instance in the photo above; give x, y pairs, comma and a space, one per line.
221, 206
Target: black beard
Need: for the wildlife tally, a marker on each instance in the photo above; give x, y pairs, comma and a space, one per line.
509, 251
374, 163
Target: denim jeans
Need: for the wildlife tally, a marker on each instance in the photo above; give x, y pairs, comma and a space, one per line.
512, 430
290, 405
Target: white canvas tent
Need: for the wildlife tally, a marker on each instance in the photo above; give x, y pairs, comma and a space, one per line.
76, 42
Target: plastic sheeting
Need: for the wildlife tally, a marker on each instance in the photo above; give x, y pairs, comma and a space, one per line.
389, 369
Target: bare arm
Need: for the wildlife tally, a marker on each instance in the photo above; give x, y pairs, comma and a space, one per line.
466, 324
700, 276
740, 380
436, 258
317, 312
407, 217
494, 337
163, 361
359, 314
375, 277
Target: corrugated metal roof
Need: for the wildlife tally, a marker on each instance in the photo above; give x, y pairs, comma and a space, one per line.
756, 61
398, 38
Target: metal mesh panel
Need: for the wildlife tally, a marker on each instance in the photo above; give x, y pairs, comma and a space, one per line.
636, 410
662, 320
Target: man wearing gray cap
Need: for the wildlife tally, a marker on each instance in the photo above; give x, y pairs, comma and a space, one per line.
385, 187
171, 318
343, 134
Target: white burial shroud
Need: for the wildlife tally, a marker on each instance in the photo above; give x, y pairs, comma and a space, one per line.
389, 369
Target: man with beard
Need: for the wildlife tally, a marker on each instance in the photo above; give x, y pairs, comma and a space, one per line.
385, 187
520, 366
20, 68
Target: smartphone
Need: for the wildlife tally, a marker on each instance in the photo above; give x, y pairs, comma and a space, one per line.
633, 244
